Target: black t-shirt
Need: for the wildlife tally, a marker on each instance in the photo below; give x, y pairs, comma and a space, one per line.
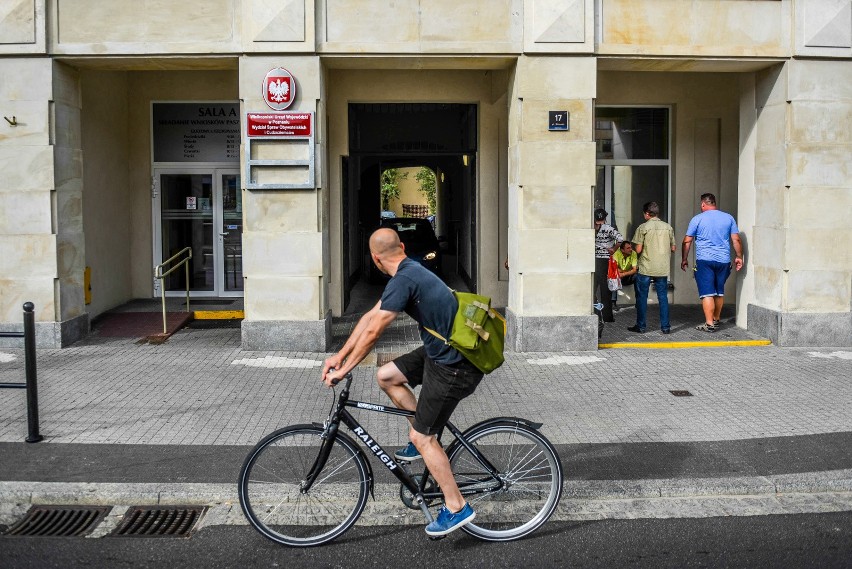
422, 295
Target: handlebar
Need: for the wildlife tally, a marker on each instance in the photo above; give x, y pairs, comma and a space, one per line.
347, 377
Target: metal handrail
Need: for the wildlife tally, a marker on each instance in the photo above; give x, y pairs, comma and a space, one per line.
158, 274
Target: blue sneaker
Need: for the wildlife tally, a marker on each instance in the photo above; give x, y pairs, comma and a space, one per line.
408, 454
448, 521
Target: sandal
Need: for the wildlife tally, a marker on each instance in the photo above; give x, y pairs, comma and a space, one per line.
706, 328
716, 323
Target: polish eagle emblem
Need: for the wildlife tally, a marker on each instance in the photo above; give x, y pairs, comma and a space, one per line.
279, 90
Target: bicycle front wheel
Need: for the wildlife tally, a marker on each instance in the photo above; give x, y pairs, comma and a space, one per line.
272, 480
531, 476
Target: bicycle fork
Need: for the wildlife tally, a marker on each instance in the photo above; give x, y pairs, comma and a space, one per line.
325, 450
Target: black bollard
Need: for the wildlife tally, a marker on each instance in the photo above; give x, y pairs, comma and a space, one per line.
32, 389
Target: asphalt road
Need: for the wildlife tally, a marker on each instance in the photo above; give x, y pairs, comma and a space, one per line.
788, 541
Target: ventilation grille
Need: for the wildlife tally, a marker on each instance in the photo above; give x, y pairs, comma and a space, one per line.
156, 521
59, 521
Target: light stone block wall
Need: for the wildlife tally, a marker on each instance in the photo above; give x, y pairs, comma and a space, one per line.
285, 304
803, 194
746, 203
667, 28
41, 236
700, 28
550, 258
823, 28
695, 28
107, 199
68, 196
325, 26
22, 27
155, 26
287, 26
559, 26
27, 240
819, 177
414, 26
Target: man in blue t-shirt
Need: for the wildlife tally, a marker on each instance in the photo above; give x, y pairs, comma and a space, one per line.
444, 375
714, 232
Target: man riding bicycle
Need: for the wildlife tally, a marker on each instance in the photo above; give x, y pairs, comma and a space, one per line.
444, 375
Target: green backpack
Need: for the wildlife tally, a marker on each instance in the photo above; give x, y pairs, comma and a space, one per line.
478, 332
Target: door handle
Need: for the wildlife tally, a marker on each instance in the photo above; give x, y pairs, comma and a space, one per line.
223, 234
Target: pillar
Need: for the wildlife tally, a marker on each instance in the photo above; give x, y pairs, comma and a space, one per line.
41, 222
551, 174
800, 253
285, 238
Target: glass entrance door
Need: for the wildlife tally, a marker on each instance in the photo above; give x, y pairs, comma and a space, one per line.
200, 209
231, 234
633, 163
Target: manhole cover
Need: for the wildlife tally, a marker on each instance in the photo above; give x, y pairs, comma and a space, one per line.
59, 521
157, 521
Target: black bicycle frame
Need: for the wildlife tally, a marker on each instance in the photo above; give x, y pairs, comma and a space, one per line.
340, 414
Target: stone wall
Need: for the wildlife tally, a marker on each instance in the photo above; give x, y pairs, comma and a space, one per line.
803, 190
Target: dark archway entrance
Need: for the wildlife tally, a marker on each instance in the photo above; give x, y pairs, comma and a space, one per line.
438, 136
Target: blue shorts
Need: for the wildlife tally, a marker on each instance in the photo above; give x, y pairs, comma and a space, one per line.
710, 276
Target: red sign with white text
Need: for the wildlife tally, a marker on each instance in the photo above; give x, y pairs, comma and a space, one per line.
279, 124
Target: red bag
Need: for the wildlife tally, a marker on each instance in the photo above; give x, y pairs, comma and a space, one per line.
613, 281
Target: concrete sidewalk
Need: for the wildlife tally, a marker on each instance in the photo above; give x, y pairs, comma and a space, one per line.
130, 423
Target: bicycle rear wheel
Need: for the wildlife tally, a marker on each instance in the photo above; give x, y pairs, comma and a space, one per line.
531, 473
272, 477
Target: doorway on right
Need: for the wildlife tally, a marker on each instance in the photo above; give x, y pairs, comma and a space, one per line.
633, 163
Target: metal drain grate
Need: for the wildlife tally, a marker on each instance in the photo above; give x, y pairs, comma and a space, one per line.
681, 393
59, 521
157, 521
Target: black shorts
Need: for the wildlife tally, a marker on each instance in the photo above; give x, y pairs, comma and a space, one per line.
442, 388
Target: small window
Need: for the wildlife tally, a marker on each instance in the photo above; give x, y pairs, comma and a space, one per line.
632, 133
633, 163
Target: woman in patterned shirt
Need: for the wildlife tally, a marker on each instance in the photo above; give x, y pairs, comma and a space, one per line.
607, 239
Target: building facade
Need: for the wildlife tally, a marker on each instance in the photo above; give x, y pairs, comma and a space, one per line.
128, 138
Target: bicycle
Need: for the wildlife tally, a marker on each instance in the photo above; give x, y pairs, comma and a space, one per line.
307, 484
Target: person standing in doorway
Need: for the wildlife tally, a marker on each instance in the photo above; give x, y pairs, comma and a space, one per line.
714, 232
607, 239
654, 241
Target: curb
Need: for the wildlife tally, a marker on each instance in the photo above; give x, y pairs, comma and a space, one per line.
80, 493
696, 344
583, 501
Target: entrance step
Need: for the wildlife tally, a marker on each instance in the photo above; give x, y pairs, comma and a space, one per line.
145, 325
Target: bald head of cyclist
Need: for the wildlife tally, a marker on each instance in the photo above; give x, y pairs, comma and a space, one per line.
386, 250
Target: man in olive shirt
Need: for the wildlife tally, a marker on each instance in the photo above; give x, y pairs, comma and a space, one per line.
655, 243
